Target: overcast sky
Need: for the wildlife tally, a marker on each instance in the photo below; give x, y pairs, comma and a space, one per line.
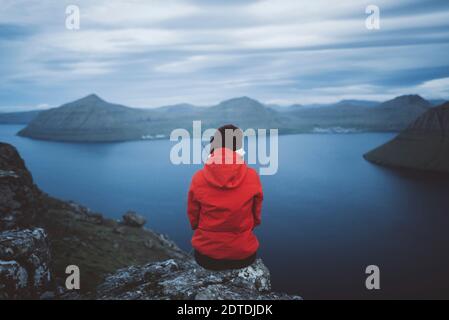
151, 53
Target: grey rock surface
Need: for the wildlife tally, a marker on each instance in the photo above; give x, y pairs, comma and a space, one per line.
19, 197
184, 279
24, 263
133, 219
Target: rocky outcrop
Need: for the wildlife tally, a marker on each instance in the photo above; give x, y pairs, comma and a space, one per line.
19, 197
424, 145
24, 263
24, 249
184, 279
133, 219
85, 214
24, 253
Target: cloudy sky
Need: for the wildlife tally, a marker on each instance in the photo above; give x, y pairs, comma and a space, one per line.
151, 53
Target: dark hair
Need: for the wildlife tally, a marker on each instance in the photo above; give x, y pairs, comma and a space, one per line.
218, 140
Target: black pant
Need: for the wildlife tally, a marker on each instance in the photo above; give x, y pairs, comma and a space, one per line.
222, 264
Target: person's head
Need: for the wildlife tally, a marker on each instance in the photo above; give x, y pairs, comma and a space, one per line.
227, 136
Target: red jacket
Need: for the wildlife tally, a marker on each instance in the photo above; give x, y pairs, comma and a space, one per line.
224, 205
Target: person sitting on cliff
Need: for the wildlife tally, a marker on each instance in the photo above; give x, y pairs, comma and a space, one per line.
224, 205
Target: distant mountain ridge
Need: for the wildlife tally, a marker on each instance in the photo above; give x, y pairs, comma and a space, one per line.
390, 116
93, 119
87, 119
21, 117
423, 145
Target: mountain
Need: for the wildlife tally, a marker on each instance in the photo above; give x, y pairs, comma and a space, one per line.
177, 109
88, 119
406, 103
398, 113
358, 103
437, 102
23, 117
93, 119
347, 115
289, 108
243, 112
423, 145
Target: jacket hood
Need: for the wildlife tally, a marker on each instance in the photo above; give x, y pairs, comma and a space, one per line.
225, 169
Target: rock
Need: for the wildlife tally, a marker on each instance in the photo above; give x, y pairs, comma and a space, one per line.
76, 207
149, 244
85, 214
166, 241
133, 219
13, 279
184, 279
48, 295
19, 197
95, 217
119, 230
24, 263
62, 293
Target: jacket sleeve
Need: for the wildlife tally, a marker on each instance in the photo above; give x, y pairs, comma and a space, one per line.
193, 208
257, 204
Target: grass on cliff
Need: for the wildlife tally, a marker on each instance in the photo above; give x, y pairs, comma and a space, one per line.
96, 248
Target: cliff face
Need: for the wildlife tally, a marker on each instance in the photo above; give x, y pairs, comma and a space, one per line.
40, 236
423, 145
24, 249
19, 197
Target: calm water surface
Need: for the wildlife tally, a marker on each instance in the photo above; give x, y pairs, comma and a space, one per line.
327, 213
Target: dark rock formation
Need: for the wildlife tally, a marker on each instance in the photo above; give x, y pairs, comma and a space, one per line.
24, 253
423, 145
24, 263
85, 214
19, 197
184, 279
133, 219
